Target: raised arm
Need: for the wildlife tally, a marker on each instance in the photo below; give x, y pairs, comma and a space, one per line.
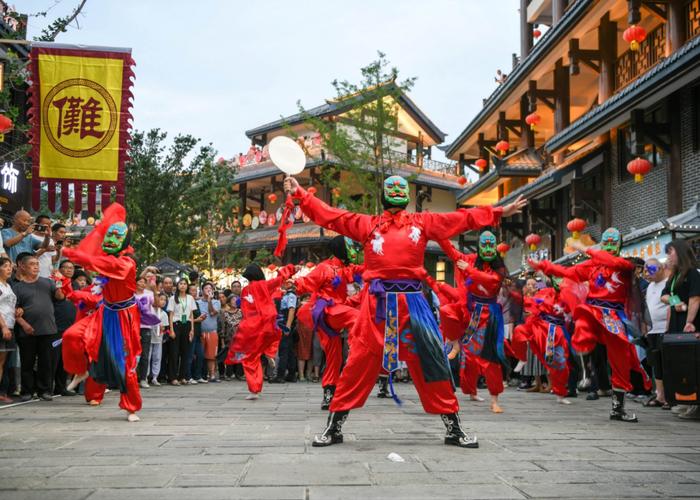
313, 281
283, 274
575, 273
106, 265
612, 261
350, 224
452, 253
445, 225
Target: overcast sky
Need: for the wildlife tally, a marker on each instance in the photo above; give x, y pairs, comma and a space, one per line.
217, 68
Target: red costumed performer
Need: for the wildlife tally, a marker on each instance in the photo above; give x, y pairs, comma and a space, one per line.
545, 331
479, 277
258, 333
327, 313
110, 337
602, 319
395, 320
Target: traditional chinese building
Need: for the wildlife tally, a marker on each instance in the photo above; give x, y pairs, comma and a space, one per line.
434, 184
598, 84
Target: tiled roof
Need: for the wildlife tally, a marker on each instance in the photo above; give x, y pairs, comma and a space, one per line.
339, 106
572, 16
660, 76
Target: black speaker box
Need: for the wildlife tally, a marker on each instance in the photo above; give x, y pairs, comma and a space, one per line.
681, 358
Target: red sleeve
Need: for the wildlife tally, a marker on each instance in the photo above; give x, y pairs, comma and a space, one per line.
452, 253
313, 281
617, 263
445, 225
350, 224
106, 265
575, 273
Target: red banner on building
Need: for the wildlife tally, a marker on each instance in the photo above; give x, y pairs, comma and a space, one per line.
80, 112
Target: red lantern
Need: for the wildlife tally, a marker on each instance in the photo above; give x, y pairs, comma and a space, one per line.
533, 240
503, 249
533, 119
312, 190
462, 180
481, 164
536, 33
502, 147
5, 124
576, 226
228, 270
634, 35
272, 198
639, 167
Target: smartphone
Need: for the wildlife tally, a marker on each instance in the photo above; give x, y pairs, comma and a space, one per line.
40, 227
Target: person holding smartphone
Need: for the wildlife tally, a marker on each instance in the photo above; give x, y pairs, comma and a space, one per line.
18, 238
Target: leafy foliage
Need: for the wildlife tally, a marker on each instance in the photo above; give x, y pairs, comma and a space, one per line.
179, 199
364, 140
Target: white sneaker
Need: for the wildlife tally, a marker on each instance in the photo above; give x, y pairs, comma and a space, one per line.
133, 417
563, 401
192, 381
252, 395
155, 382
144, 385
202, 381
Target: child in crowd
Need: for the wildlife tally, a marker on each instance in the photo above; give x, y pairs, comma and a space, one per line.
157, 333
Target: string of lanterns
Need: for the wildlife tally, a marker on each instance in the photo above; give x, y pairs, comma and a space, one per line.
639, 167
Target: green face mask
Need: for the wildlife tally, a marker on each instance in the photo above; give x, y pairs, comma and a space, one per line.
611, 241
354, 251
556, 282
396, 191
487, 246
115, 238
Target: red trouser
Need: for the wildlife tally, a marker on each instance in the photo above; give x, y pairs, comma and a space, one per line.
534, 332
338, 317
622, 355
129, 400
365, 362
252, 366
472, 367
74, 348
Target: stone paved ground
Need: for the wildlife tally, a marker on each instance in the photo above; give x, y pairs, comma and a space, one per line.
207, 443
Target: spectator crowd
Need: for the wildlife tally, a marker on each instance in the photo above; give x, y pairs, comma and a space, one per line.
198, 322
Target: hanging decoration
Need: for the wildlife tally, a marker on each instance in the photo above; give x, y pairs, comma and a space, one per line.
272, 198
536, 33
5, 124
462, 180
533, 240
481, 164
639, 167
80, 102
576, 226
634, 35
533, 119
502, 249
502, 147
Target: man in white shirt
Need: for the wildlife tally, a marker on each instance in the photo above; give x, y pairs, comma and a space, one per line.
47, 251
655, 274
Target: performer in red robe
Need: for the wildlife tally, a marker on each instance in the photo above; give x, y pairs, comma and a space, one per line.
602, 319
327, 313
110, 337
545, 331
479, 277
395, 319
258, 333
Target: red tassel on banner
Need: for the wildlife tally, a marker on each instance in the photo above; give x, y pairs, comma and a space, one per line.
91, 198
51, 186
78, 187
285, 224
64, 197
106, 198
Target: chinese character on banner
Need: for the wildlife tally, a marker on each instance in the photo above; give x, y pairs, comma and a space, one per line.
9, 177
80, 112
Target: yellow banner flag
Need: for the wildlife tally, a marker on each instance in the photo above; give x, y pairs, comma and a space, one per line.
80, 115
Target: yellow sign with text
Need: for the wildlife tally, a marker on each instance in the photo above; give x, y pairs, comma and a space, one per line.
80, 101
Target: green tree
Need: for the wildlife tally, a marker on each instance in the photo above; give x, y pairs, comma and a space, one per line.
363, 140
178, 198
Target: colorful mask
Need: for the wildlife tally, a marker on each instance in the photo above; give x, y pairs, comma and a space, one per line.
556, 282
487, 246
396, 191
611, 241
354, 251
116, 238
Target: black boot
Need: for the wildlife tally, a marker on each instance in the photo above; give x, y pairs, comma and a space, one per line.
618, 408
328, 392
455, 435
333, 433
383, 388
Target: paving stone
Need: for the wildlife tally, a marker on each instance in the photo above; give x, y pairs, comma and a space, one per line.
417, 492
224, 493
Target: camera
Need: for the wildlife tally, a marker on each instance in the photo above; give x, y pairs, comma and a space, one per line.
40, 227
